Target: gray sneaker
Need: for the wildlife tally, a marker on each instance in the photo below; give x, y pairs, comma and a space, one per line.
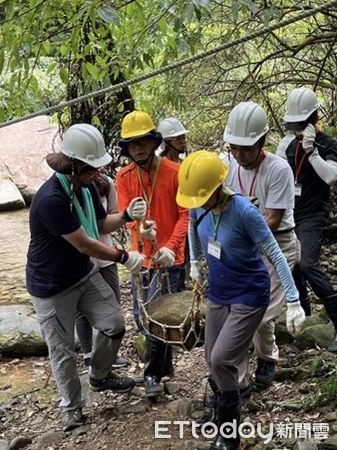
72, 419
120, 362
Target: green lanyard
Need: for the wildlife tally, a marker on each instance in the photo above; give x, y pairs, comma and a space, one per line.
217, 219
216, 223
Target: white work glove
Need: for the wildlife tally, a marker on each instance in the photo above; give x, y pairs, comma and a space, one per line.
134, 263
309, 135
295, 317
137, 208
150, 232
195, 271
164, 257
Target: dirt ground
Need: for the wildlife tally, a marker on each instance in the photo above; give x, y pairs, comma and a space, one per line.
30, 402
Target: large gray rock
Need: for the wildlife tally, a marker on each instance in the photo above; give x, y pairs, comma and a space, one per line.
282, 334
10, 196
50, 439
20, 333
4, 444
23, 148
329, 444
305, 445
321, 335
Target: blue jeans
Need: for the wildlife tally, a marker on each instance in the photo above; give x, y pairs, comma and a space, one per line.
310, 234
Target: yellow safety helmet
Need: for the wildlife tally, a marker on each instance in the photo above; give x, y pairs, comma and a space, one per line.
200, 174
136, 124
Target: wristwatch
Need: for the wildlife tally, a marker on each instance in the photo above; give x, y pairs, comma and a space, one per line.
126, 216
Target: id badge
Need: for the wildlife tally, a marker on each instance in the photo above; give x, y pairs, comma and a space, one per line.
298, 190
214, 248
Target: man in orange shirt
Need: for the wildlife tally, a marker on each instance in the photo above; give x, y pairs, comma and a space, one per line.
156, 180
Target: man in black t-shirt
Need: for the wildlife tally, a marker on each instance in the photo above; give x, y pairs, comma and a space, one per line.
312, 156
66, 216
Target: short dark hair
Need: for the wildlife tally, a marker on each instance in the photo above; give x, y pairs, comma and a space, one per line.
262, 141
313, 118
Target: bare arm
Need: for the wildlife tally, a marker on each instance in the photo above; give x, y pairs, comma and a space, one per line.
273, 217
111, 223
91, 247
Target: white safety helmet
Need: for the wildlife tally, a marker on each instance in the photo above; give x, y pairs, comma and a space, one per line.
301, 103
171, 127
246, 124
85, 143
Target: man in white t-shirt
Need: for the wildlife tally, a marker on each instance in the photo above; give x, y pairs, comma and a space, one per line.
267, 180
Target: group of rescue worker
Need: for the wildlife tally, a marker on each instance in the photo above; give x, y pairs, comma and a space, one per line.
255, 217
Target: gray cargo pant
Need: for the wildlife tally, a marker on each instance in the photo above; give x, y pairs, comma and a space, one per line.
228, 334
56, 315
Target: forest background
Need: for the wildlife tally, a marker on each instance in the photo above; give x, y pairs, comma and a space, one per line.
54, 52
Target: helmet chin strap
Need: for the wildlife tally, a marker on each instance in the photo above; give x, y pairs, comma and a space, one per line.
257, 159
216, 201
168, 143
146, 162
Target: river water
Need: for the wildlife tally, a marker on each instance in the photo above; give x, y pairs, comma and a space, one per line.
14, 234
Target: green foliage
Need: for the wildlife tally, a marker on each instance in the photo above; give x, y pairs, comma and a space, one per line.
82, 46
325, 393
315, 364
331, 131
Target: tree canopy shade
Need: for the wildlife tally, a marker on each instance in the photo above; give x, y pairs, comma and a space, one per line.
50, 54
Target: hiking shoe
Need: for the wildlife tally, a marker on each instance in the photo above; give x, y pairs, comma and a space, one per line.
246, 392
265, 371
120, 362
72, 419
210, 417
112, 382
86, 363
152, 386
169, 373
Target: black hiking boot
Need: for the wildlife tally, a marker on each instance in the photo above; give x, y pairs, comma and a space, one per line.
153, 388
228, 411
72, 419
246, 392
112, 382
265, 371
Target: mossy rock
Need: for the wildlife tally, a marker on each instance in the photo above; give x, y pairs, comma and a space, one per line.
18, 344
311, 321
321, 335
324, 315
282, 334
177, 318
